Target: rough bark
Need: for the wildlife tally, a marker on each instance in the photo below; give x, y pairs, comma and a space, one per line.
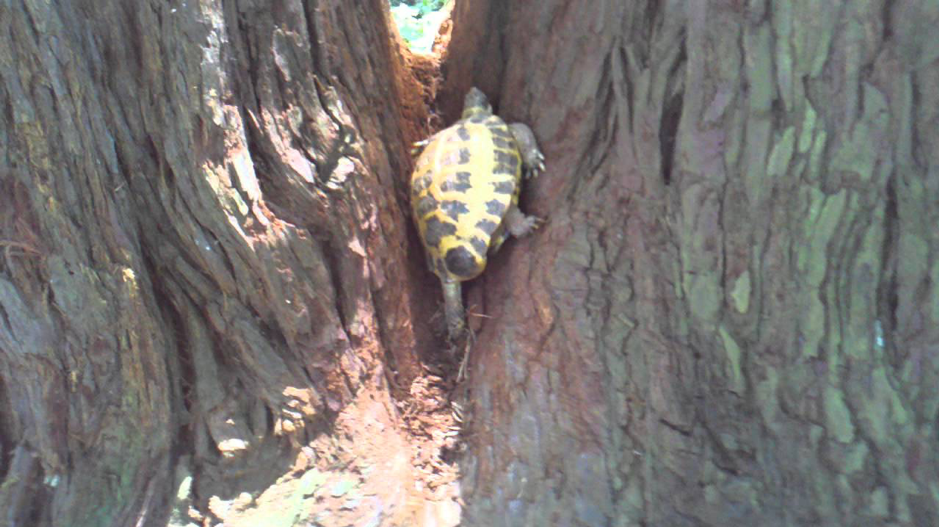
730, 317
205, 262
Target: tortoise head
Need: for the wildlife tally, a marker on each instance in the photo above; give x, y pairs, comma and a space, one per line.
476, 103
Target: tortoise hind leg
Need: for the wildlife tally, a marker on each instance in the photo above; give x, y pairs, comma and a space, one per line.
453, 309
520, 224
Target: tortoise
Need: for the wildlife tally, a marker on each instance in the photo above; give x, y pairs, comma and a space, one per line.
464, 196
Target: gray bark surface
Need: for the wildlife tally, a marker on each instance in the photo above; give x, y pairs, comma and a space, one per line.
730, 316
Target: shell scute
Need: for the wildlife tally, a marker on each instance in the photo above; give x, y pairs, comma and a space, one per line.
464, 182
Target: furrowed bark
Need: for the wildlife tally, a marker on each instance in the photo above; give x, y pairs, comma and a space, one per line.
726, 319
200, 219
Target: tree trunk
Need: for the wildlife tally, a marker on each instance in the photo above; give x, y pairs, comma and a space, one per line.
206, 261
730, 317
212, 300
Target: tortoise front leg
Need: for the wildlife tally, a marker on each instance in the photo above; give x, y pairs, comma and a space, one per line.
532, 158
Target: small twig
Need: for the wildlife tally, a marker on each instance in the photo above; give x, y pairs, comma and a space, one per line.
472, 314
19, 245
467, 347
9, 245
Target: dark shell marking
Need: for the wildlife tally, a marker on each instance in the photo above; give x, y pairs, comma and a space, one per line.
502, 133
436, 230
421, 184
460, 184
487, 227
504, 187
496, 207
506, 163
505, 157
426, 205
480, 245
502, 142
456, 157
461, 262
453, 209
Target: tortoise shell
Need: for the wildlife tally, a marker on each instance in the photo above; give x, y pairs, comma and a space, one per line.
464, 182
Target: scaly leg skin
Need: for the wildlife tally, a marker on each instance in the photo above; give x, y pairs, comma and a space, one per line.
453, 310
519, 224
532, 158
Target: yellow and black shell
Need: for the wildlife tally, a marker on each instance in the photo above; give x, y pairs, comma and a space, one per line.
463, 184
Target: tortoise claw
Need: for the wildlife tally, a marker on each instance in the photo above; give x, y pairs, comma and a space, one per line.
418, 146
537, 166
534, 171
